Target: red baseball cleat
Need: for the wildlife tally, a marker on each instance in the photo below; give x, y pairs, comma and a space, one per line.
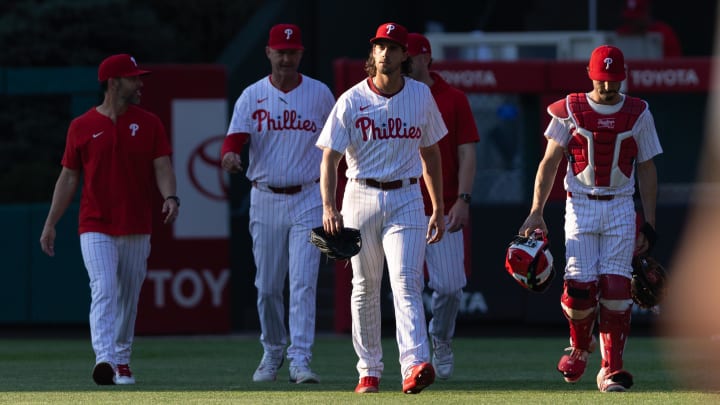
421, 376
368, 385
572, 366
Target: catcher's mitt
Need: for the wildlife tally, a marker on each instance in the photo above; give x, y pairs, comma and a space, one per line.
648, 281
342, 246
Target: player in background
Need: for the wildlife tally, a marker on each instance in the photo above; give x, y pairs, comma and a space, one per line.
608, 138
637, 19
280, 117
446, 260
120, 152
387, 126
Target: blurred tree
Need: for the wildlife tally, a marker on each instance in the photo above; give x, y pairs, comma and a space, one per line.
81, 32
202, 29
55, 33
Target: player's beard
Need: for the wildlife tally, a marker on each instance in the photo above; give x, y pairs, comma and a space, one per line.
387, 69
129, 95
609, 97
133, 97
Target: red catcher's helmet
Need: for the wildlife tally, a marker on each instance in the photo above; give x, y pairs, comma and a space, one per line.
529, 261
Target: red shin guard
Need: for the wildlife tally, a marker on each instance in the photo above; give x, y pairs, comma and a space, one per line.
614, 319
579, 304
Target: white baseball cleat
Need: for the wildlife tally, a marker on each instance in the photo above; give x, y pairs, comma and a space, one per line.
123, 375
443, 359
616, 381
268, 368
303, 375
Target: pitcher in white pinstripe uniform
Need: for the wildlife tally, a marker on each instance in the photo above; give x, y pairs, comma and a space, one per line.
118, 150
387, 126
608, 138
280, 116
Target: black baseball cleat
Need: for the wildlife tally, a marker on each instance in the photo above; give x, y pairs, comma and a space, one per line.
103, 373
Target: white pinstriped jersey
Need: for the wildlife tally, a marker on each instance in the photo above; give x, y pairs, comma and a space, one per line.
283, 128
644, 132
381, 135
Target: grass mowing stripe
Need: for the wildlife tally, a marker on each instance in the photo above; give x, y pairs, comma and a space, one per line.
218, 369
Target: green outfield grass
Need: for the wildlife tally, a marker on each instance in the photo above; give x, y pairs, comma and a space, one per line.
215, 370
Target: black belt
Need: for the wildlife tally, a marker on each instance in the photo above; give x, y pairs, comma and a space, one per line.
389, 185
595, 197
285, 190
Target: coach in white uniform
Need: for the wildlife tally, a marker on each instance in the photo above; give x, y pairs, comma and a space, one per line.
280, 116
384, 126
607, 137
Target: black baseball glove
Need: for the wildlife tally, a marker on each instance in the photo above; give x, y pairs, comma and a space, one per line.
648, 281
342, 246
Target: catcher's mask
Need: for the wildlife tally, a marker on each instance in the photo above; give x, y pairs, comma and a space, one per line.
529, 261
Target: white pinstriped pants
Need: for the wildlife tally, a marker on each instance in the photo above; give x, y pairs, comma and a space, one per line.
116, 266
599, 237
280, 226
393, 227
446, 277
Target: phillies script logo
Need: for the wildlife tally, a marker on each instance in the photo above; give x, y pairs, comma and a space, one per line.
289, 120
394, 129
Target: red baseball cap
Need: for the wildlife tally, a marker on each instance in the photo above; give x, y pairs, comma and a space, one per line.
607, 64
285, 36
636, 9
121, 65
393, 32
417, 44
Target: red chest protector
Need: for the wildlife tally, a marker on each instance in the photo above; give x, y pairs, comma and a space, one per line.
602, 150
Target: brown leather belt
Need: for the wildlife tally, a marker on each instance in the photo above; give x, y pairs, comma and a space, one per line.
284, 190
390, 185
595, 197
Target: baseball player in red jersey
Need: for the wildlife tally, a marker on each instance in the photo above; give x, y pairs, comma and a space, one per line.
380, 124
638, 20
608, 137
446, 259
280, 116
121, 152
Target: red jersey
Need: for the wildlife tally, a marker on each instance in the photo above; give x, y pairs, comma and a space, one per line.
671, 43
116, 164
460, 122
